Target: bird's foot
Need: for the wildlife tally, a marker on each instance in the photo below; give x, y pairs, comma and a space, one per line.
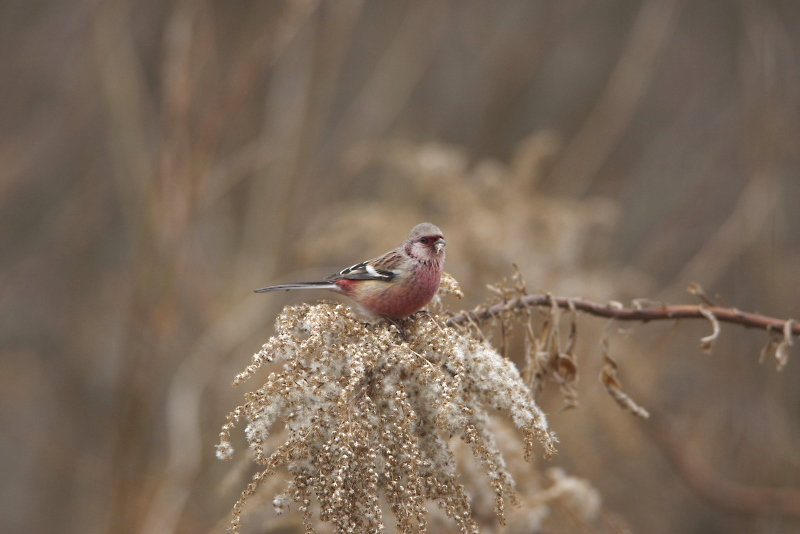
396, 323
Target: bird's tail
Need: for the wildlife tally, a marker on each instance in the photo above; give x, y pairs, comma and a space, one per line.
299, 285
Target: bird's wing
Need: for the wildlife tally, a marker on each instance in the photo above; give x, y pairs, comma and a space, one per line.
366, 270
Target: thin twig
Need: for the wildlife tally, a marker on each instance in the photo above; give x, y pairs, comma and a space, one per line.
644, 314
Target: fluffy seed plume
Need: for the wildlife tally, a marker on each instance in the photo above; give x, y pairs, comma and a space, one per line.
368, 418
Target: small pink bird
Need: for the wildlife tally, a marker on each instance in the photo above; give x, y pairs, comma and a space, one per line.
395, 285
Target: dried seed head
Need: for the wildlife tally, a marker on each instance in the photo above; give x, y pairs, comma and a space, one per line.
367, 414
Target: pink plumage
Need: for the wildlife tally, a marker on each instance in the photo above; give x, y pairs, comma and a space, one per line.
394, 285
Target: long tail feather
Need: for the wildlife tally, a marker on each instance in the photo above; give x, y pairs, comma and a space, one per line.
299, 285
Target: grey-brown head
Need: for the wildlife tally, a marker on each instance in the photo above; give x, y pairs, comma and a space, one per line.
425, 242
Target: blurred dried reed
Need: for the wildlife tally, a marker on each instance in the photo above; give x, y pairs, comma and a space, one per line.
159, 160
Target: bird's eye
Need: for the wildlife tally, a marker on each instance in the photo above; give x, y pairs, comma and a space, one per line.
423, 240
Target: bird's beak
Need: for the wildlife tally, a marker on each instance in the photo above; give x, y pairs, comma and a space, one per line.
439, 245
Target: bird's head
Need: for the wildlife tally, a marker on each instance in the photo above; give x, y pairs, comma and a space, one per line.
425, 242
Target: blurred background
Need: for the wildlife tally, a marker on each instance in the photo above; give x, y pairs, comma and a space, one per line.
159, 160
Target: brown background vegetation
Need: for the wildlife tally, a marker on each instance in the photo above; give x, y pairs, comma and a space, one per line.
159, 160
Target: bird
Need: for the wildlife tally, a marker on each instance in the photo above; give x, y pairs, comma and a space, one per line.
394, 285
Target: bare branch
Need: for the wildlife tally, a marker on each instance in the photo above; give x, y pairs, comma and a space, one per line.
645, 314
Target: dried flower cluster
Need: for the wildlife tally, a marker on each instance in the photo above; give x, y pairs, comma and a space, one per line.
549, 349
368, 418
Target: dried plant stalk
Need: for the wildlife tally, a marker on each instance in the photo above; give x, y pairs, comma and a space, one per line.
368, 415
608, 377
788, 329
